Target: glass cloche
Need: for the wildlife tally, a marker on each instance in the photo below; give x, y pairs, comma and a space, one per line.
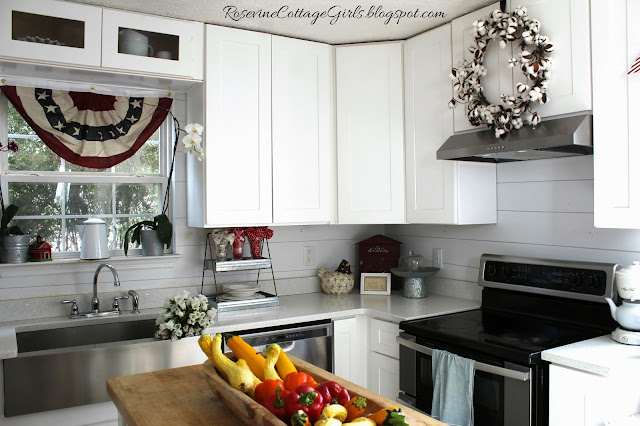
413, 265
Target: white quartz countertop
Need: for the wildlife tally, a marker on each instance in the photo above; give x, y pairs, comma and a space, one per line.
300, 308
600, 355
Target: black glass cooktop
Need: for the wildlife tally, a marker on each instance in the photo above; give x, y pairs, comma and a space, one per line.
518, 331
511, 338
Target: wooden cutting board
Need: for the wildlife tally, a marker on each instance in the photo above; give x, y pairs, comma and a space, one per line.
253, 413
178, 396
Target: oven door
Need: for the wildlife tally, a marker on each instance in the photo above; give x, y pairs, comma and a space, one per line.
502, 396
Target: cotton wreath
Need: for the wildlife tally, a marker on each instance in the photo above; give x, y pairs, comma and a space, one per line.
533, 60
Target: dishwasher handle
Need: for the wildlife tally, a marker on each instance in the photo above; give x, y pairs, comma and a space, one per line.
286, 337
480, 366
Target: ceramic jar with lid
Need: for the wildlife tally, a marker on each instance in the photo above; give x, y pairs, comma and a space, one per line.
628, 281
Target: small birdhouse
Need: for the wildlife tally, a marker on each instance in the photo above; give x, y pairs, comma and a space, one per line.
379, 254
40, 250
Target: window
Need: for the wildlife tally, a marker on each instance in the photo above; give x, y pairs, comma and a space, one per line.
54, 195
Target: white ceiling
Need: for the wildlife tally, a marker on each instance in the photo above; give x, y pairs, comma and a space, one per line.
345, 30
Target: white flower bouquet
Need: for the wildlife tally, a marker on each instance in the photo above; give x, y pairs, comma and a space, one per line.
184, 316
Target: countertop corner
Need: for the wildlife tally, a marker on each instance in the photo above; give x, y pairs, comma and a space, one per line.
601, 355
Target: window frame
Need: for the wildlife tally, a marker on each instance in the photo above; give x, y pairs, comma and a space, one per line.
7, 177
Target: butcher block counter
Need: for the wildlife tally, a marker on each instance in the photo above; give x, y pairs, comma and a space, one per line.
181, 396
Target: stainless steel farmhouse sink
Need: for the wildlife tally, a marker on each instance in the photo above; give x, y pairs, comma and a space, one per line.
94, 334
65, 367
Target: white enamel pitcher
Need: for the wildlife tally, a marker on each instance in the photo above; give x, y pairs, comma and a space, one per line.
93, 236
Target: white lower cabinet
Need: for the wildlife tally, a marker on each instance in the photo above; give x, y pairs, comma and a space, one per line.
349, 349
383, 376
439, 191
585, 399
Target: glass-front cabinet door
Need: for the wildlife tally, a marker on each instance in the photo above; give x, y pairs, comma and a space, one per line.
50, 31
152, 44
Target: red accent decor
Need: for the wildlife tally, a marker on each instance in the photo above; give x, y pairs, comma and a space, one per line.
255, 236
238, 239
635, 67
120, 136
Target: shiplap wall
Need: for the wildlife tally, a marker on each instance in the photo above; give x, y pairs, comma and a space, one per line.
545, 210
331, 243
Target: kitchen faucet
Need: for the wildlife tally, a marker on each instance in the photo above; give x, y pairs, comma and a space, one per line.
95, 303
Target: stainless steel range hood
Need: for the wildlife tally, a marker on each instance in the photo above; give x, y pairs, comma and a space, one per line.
562, 137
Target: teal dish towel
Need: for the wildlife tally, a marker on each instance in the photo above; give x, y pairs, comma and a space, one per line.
452, 388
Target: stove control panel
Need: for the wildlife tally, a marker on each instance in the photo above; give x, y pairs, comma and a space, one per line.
582, 280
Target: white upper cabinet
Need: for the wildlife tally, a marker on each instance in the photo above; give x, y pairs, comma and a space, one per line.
439, 191
566, 23
72, 34
499, 77
370, 133
152, 44
269, 114
616, 107
50, 31
238, 127
303, 111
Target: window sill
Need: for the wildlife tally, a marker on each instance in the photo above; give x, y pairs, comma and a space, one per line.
65, 266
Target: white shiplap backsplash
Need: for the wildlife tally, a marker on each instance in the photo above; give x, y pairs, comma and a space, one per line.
38, 295
545, 209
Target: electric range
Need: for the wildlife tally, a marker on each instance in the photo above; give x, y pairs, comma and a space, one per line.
528, 306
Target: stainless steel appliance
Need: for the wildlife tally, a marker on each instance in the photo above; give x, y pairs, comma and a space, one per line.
561, 137
528, 305
312, 342
67, 367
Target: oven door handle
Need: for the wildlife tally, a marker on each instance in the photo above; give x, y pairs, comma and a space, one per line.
487, 368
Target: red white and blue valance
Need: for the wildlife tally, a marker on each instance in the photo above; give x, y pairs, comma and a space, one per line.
89, 129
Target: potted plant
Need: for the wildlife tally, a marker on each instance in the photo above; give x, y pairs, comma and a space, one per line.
14, 244
152, 235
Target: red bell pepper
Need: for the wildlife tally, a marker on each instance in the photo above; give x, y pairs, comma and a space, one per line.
266, 390
295, 379
305, 398
276, 403
333, 393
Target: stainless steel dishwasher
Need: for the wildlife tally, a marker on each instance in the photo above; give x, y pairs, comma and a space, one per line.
68, 367
311, 341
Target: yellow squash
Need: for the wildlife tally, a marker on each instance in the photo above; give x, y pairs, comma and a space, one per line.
243, 350
273, 352
239, 377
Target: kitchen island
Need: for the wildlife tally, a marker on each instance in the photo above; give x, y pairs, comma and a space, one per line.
182, 396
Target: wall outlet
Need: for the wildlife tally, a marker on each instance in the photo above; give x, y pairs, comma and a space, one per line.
437, 258
309, 256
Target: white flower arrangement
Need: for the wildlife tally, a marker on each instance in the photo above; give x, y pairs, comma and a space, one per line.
184, 316
533, 61
193, 138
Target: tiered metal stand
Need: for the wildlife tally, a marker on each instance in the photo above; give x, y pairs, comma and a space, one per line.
234, 265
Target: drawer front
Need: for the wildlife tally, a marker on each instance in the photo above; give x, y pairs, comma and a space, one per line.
382, 338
